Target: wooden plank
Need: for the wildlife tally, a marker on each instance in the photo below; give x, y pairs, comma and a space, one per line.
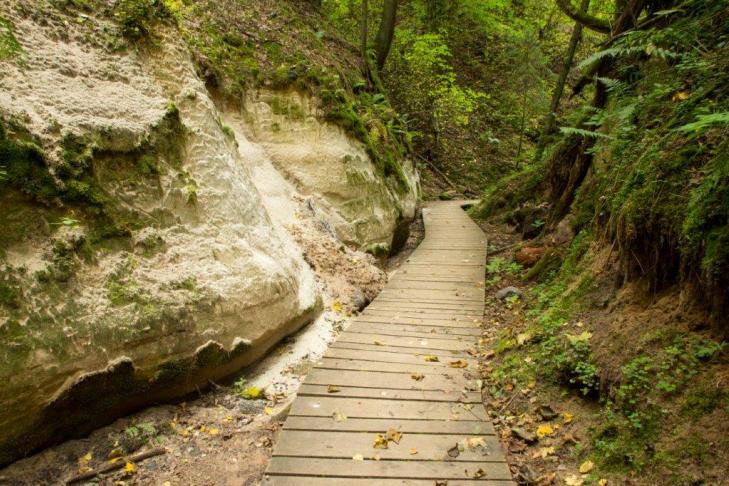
344, 445
401, 316
421, 395
451, 295
414, 331
423, 308
347, 468
461, 427
402, 381
319, 481
426, 307
361, 365
471, 324
384, 408
432, 342
384, 356
442, 354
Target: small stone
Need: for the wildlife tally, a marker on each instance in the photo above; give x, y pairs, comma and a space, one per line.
546, 412
251, 407
526, 475
522, 434
359, 300
507, 292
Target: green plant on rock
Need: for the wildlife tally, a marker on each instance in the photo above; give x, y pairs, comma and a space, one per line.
137, 17
9, 45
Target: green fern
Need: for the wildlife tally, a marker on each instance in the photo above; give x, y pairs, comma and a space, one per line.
583, 133
705, 121
611, 52
624, 51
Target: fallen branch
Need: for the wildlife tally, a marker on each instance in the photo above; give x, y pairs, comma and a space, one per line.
138, 457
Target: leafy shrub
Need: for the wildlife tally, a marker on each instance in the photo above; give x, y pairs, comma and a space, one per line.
137, 17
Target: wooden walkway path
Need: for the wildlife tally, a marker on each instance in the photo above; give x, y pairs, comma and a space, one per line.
399, 367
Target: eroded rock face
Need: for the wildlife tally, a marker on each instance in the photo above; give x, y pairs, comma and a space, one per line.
363, 207
196, 284
166, 258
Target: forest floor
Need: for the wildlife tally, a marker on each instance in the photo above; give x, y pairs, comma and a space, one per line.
223, 436
554, 433
519, 413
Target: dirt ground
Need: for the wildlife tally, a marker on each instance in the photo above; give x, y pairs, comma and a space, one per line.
218, 437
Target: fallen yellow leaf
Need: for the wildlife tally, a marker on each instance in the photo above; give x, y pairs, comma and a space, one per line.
333, 389
568, 417
479, 474
417, 376
358, 457
413, 451
457, 364
523, 338
339, 417
268, 411
252, 393
380, 442
214, 432
130, 468
681, 96
573, 481
602, 482
586, 467
431, 359
337, 306
543, 452
544, 430
394, 435
379, 343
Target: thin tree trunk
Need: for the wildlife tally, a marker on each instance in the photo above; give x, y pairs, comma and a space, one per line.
549, 122
385, 33
364, 33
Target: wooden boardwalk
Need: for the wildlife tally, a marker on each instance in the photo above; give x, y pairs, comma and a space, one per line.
398, 367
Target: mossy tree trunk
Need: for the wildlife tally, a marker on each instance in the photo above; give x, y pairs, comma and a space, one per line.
550, 120
385, 33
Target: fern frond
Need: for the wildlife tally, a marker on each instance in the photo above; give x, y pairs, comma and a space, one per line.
705, 121
583, 133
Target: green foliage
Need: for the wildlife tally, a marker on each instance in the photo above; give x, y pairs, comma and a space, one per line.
568, 359
511, 191
137, 17
582, 132
497, 265
704, 122
9, 45
23, 166
660, 185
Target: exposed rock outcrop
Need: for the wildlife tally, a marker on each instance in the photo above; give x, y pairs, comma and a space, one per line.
139, 259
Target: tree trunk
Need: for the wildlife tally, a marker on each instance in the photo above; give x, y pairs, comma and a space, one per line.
383, 41
364, 33
549, 122
591, 22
